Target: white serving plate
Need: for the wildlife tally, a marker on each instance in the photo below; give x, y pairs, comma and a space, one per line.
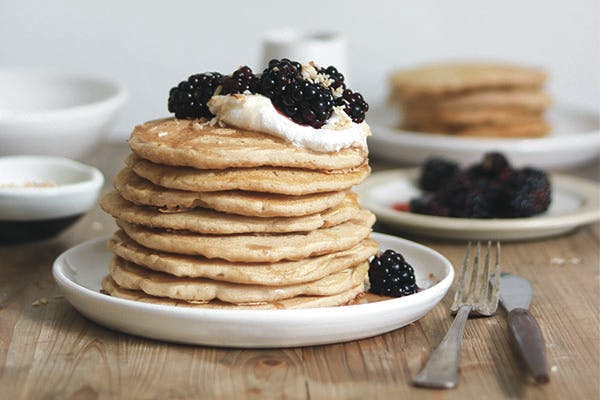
574, 140
79, 272
575, 202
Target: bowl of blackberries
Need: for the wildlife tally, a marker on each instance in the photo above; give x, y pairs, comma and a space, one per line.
491, 188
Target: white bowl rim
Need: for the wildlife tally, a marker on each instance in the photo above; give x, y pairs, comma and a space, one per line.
117, 96
93, 181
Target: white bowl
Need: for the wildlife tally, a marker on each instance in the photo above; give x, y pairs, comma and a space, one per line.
42, 195
55, 113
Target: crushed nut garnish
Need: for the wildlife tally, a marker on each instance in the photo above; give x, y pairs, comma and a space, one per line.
39, 302
200, 125
310, 73
562, 261
30, 184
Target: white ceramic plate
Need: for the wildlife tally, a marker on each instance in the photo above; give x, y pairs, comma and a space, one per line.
575, 140
79, 271
575, 202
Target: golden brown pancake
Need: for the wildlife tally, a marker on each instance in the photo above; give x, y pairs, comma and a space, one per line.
133, 277
253, 247
271, 274
111, 288
218, 223
254, 204
189, 143
289, 181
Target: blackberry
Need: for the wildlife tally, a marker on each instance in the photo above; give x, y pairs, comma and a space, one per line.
337, 77
391, 275
527, 192
489, 189
493, 166
278, 76
429, 205
302, 101
353, 102
435, 172
354, 105
467, 197
241, 80
188, 99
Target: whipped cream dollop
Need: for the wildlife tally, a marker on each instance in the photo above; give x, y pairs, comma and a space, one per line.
255, 112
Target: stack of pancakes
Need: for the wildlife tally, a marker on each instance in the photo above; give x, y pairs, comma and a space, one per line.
226, 218
472, 99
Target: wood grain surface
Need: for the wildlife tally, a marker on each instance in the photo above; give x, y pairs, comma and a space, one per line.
49, 351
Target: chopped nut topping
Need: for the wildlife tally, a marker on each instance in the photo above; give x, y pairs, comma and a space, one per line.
30, 184
39, 302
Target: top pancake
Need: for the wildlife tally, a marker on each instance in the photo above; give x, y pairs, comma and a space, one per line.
189, 143
440, 79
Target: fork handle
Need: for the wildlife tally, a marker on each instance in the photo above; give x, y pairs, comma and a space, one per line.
441, 370
528, 336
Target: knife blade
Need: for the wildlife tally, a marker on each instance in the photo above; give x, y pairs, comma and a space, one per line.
515, 296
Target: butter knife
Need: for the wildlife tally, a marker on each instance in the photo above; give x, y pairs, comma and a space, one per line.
515, 297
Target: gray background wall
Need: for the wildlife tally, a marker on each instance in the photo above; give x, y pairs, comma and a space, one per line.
150, 46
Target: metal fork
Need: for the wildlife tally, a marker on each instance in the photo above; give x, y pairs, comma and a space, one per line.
478, 297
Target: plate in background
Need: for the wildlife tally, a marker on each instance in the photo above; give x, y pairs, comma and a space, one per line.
575, 202
574, 140
79, 272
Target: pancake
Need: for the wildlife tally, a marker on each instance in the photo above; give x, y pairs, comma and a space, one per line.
214, 222
532, 100
475, 116
256, 248
272, 274
130, 276
448, 78
180, 142
111, 288
535, 128
254, 204
287, 181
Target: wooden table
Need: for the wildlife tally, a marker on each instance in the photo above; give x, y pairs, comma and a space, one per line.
49, 351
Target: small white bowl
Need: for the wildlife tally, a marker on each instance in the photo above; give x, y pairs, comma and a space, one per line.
55, 113
42, 195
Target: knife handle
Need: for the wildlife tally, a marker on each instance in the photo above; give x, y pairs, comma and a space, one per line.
528, 336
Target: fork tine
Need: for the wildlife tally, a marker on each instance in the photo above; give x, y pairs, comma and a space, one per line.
496, 288
460, 288
485, 284
474, 284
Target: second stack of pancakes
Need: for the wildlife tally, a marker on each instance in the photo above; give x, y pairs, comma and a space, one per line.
473, 99
220, 217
